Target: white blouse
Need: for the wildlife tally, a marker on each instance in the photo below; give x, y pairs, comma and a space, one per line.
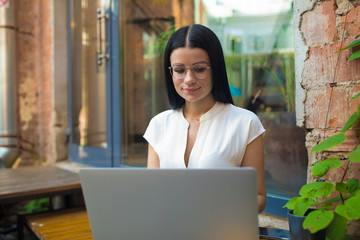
224, 133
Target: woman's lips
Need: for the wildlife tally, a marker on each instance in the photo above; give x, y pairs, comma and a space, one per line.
190, 90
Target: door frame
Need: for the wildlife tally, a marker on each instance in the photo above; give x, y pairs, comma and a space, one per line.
110, 156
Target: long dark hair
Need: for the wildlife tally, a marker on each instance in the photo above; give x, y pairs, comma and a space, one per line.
198, 36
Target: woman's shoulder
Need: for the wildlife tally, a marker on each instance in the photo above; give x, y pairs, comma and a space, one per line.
164, 116
238, 112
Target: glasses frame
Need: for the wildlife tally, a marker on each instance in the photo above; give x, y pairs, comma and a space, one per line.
188, 67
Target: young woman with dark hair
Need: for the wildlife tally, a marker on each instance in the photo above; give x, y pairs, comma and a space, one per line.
203, 129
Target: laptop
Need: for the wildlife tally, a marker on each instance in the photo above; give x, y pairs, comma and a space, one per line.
171, 204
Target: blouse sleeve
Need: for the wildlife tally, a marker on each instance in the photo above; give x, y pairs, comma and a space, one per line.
256, 129
155, 130
149, 134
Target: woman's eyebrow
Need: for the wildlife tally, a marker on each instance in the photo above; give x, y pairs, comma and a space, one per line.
178, 64
182, 65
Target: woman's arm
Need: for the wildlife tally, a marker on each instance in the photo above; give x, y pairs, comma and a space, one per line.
153, 159
254, 157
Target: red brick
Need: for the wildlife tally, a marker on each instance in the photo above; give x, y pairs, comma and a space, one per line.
341, 108
323, 61
351, 22
319, 25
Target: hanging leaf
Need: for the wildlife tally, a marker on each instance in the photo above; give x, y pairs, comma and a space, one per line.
321, 168
355, 55
357, 193
341, 188
299, 205
317, 190
350, 187
332, 200
317, 220
337, 228
351, 209
353, 185
291, 203
353, 44
351, 121
355, 155
302, 205
330, 142
356, 96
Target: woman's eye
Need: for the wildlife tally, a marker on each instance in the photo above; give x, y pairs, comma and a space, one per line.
199, 69
179, 70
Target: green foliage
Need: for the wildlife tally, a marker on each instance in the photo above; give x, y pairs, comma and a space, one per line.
317, 190
350, 210
323, 167
316, 194
37, 205
350, 122
355, 155
317, 220
330, 142
355, 54
337, 228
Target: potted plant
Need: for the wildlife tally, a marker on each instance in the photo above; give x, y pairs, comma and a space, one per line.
329, 206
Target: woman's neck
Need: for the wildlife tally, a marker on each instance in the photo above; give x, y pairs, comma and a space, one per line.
193, 111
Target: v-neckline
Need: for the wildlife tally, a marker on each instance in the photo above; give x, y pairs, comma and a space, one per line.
207, 115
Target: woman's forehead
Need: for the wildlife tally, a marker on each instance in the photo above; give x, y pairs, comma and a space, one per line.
186, 55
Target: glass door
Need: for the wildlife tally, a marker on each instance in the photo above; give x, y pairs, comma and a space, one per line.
90, 110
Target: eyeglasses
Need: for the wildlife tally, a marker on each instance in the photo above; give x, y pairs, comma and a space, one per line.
198, 70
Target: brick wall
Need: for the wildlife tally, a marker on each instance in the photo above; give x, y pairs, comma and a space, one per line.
35, 79
327, 79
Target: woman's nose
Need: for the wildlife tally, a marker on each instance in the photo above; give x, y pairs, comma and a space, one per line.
189, 77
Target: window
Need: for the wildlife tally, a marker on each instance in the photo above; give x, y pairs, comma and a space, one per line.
258, 43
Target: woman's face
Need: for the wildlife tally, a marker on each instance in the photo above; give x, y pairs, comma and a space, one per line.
194, 88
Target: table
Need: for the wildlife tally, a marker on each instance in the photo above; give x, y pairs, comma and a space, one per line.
65, 224
60, 225
27, 183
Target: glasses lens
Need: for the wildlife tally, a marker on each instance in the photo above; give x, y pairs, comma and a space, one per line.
178, 72
200, 71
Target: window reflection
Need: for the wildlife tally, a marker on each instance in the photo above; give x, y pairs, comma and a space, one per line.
258, 43
145, 27
88, 78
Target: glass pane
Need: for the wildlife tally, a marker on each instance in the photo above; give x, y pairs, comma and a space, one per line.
88, 77
144, 27
258, 43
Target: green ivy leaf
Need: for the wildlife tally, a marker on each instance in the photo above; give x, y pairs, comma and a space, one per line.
317, 220
317, 190
352, 44
332, 200
351, 121
327, 206
357, 193
356, 96
354, 55
337, 228
330, 142
352, 185
302, 205
341, 187
291, 203
321, 168
355, 155
350, 209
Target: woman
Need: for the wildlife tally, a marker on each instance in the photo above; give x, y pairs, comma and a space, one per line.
203, 129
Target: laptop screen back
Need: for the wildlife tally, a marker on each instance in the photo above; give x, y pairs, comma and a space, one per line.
171, 204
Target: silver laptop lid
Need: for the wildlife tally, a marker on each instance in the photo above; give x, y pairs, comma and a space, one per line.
171, 204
